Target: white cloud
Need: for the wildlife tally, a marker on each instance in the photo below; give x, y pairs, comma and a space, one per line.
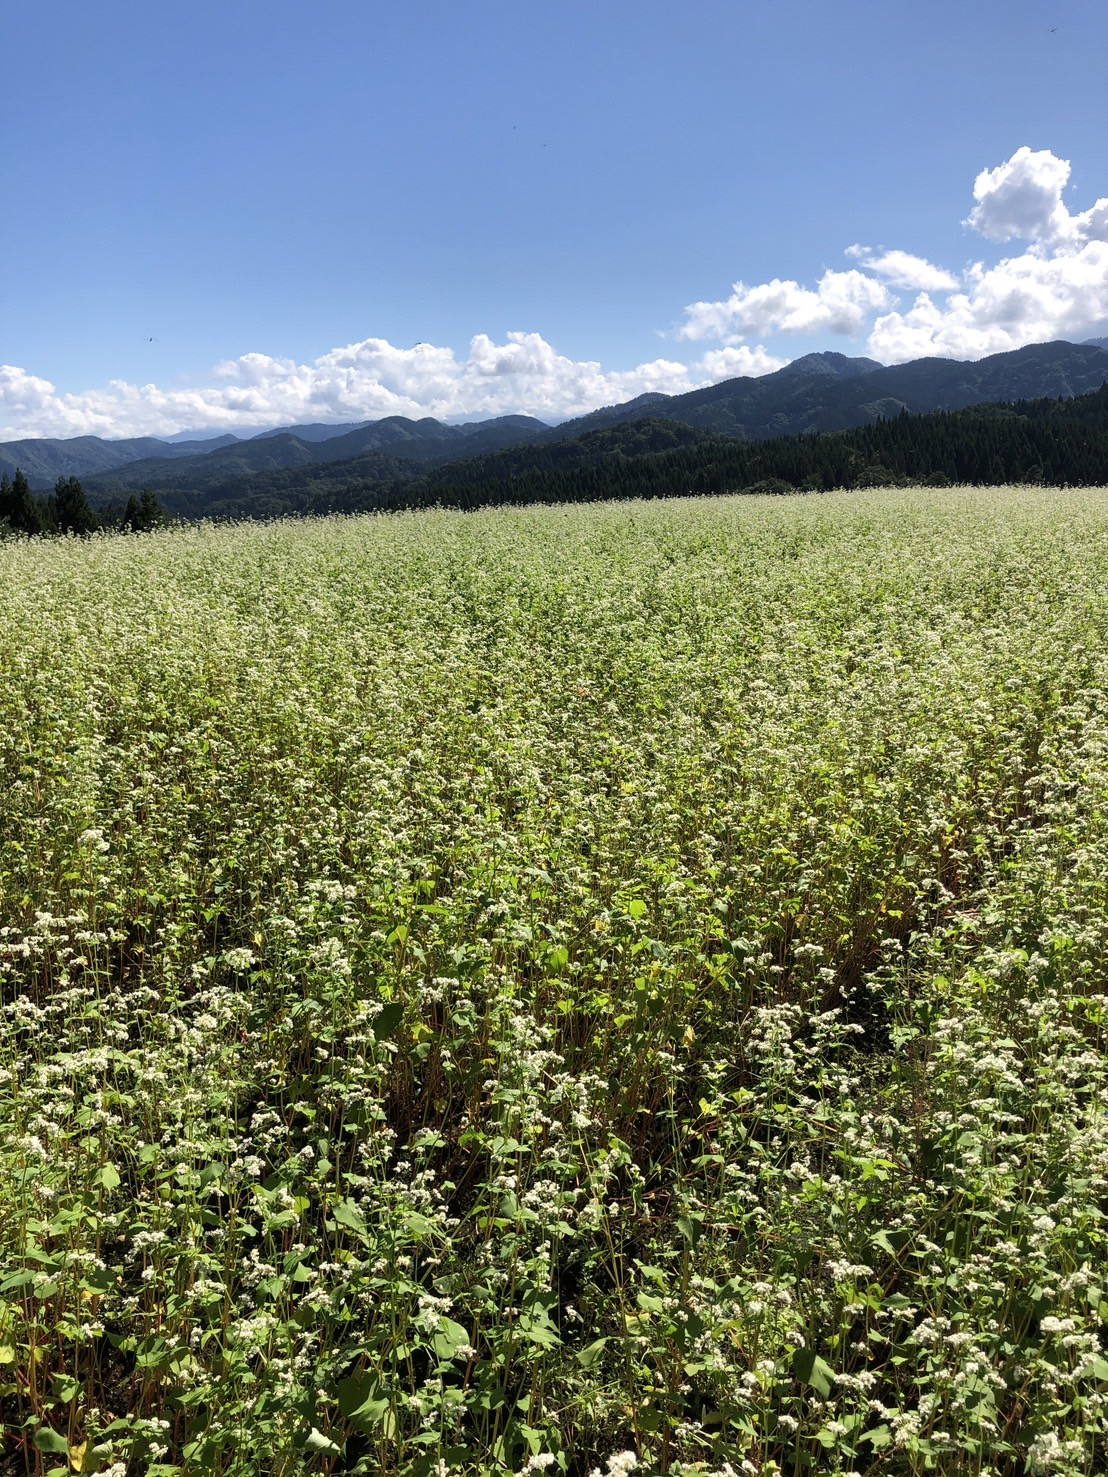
24, 397
730, 362
1022, 300
358, 381
903, 269
1057, 287
1022, 198
841, 303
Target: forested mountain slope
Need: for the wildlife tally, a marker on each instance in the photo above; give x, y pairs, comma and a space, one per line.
818, 392
1055, 442
830, 392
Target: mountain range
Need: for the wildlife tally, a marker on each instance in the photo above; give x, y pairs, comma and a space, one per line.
819, 392
148, 462
426, 442
831, 392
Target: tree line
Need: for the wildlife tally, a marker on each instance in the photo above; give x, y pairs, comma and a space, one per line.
1049, 442
68, 510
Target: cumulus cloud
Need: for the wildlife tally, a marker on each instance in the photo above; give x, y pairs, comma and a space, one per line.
840, 303
23, 397
1022, 198
1022, 300
733, 361
361, 381
903, 269
1056, 287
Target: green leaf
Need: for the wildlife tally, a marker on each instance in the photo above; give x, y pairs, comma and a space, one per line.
417, 1225
107, 1176
347, 1214
878, 1437
365, 1401
691, 1226
539, 1331
447, 1337
357, 1392
1095, 1368
316, 1441
811, 1370
891, 1242
48, 1440
99, 1280
586, 1358
387, 1021
65, 1387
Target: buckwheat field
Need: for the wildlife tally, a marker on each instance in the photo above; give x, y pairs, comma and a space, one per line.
593, 989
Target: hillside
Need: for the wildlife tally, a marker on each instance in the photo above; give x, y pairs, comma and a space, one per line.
818, 392
1057, 442
829, 392
1047, 441
45, 459
421, 442
148, 461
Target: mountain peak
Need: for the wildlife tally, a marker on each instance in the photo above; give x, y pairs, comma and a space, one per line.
830, 363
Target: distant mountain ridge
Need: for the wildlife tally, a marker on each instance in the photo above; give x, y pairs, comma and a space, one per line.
45, 459
1057, 442
817, 392
424, 442
830, 392
150, 462
313, 431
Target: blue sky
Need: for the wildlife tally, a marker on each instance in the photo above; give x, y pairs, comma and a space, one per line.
235, 213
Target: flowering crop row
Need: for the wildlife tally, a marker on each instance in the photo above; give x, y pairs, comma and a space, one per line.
606, 988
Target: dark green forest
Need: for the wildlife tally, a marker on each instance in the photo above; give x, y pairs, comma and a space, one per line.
1049, 441
1053, 442
68, 511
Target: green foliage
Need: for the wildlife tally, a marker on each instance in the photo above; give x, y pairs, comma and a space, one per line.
558, 988
20, 510
1043, 442
143, 513
67, 511
70, 511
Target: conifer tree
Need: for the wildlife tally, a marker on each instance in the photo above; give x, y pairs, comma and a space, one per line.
23, 510
131, 522
143, 513
72, 512
150, 510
